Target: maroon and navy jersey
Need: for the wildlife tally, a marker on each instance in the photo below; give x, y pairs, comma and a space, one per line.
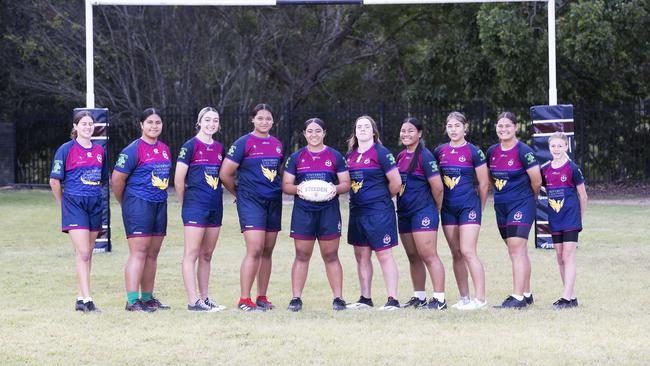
148, 167
259, 160
323, 165
563, 202
369, 192
415, 193
204, 188
81, 170
457, 166
508, 170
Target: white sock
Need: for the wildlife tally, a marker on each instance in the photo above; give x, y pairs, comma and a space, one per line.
518, 297
420, 294
80, 298
479, 301
464, 299
527, 294
87, 300
440, 296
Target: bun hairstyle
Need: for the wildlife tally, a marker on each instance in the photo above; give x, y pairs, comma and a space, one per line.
202, 113
418, 150
508, 115
317, 121
353, 143
148, 112
75, 121
261, 107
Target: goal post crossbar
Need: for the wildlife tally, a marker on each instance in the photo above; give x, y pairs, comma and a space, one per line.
90, 70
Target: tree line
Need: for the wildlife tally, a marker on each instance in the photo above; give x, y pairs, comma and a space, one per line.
234, 57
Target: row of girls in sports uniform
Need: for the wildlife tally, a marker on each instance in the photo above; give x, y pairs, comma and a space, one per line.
142, 174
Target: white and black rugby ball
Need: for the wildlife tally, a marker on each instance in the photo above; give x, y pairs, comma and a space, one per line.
316, 190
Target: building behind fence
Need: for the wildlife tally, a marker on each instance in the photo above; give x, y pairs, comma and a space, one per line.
613, 143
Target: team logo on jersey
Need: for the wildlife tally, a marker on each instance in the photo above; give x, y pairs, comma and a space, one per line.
450, 182
270, 174
57, 166
426, 221
530, 157
278, 150
164, 153
286, 165
481, 155
232, 150
386, 239
155, 151
511, 162
161, 184
99, 158
356, 186
121, 160
500, 183
90, 182
401, 189
391, 158
462, 158
328, 162
433, 165
213, 182
453, 151
367, 161
220, 157
556, 205
89, 154
472, 215
339, 227
563, 178
518, 216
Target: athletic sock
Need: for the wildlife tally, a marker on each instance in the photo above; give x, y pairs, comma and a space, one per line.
132, 297
518, 297
527, 294
420, 294
146, 296
440, 296
87, 300
80, 298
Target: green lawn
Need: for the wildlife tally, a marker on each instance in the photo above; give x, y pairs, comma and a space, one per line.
38, 324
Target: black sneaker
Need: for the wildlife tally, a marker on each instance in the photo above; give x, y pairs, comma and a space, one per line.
199, 306
139, 306
391, 304
511, 303
574, 302
362, 303
434, 304
339, 304
563, 303
295, 304
529, 299
156, 304
415, 303
89, 307
264, 303
79, 305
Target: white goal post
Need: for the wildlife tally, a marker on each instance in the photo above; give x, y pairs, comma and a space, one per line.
90, 67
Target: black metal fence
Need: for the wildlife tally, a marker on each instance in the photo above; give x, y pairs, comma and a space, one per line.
613, 142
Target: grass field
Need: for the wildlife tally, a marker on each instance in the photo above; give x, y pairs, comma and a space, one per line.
38, 324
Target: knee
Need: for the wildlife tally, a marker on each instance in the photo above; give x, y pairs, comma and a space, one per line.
414, 258
331, 257
206, 256
84, 256
468, 254
302, 256
456, 254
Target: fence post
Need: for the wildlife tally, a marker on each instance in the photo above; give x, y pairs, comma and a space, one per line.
382, 115
8, 159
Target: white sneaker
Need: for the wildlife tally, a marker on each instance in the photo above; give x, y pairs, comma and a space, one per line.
214, 307
461, 302
475, 304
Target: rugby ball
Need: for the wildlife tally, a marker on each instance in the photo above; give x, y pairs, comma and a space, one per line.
316, 190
